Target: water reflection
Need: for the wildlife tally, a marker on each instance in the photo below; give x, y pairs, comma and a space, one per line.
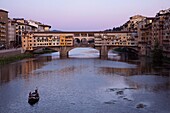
85, 84
21, 69
149, 83
119, 71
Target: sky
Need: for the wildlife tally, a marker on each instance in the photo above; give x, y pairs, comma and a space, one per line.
82, 15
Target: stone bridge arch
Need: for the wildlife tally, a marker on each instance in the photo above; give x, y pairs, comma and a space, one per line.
103, 50
128, 49
83, 47
128, 52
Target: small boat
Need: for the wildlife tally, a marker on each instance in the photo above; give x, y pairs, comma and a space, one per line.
33, 97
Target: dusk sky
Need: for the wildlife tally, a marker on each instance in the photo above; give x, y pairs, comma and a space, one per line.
71, 15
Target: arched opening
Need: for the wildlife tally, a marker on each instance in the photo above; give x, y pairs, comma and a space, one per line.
41, 50
114, 55
126, 53
84, 53
84, 41
76, 41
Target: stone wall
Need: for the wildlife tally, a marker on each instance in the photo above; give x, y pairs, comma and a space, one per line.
10, 52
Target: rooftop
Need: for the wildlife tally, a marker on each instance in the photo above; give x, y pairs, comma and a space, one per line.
67, 32
1, 10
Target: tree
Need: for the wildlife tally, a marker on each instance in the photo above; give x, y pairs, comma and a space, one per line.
157, 56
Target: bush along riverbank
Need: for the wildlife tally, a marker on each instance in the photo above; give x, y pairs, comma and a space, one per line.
5, 60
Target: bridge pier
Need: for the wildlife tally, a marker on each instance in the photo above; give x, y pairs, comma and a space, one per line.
104, 52
63, 52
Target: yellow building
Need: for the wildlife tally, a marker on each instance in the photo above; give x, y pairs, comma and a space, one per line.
34, 40
66, 40
62, 40
69, 40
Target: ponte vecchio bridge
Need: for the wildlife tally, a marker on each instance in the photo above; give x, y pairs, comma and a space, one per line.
63, 42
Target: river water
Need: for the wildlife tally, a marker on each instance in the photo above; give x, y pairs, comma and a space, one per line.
84, 83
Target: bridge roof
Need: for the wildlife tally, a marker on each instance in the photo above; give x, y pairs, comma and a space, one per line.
67, 32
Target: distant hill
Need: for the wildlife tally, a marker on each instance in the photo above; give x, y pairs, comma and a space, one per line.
56, 31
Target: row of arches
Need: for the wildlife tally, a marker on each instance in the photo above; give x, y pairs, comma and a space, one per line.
84, 41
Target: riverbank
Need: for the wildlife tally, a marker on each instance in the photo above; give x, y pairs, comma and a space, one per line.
12, 55
9, 59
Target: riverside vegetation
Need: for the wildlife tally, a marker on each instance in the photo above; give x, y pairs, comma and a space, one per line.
5, 60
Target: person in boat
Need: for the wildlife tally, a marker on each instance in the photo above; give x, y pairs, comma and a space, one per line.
33, 97
36, 92
30, 94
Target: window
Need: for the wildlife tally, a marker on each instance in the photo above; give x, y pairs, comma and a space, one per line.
91, 34
77, 35
84, 35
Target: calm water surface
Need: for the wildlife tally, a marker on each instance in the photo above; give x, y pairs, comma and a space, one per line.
84, 83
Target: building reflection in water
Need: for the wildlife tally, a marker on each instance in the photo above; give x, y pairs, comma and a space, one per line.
21, 69
143, 77
149, 83
119, 71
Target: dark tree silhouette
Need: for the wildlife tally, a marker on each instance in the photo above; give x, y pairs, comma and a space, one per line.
157, 56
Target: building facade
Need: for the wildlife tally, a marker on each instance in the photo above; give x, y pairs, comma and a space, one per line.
33, 40
3, 28
161, 31
166, 35
145, 36
155, 30
11, 33
23, 25
132, 24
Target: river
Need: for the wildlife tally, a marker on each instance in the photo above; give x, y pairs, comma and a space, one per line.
84, 83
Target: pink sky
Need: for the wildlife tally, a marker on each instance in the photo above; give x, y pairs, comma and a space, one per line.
82, 14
